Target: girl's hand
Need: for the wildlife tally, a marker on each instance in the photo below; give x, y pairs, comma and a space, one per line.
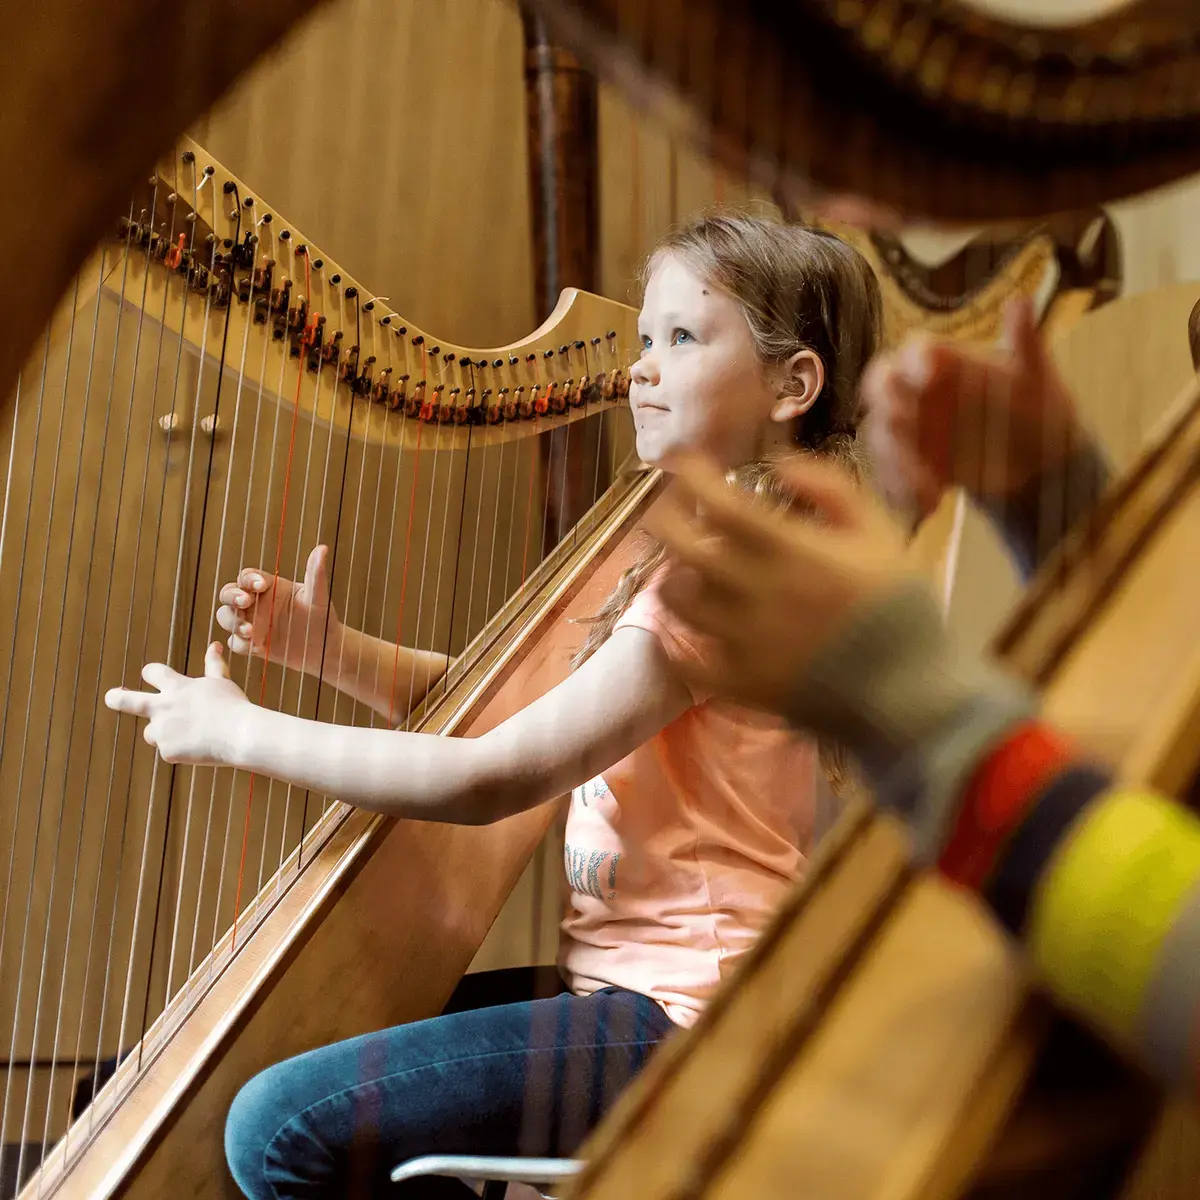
768, 588
271, 617
941, 416
190, 720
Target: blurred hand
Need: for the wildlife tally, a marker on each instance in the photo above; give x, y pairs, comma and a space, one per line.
941, 416
771, 588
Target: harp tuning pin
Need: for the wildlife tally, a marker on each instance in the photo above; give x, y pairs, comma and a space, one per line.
548, 354
248, 202
513, 360
497, 362
174, 256
595, 341
243, 254
318, 263
564, 349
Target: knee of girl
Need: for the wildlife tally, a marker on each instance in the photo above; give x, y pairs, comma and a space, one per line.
253, 1120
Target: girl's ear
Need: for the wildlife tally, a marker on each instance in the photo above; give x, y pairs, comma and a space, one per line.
803, 381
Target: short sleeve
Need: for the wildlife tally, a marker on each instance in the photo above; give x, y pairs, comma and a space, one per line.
681, 643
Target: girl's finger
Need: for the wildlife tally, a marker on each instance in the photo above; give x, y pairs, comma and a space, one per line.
254, 580
238, 645
125, 700
215, 666
228, 619
235, 595
159, 675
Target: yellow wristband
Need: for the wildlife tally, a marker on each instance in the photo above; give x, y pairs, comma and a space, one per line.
1107, 900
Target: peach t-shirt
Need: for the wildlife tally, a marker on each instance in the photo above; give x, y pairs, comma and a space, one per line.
677, 855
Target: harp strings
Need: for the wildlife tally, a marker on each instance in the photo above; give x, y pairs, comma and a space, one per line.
18, 808
24, 1114
145, 920
270, 254
90, 541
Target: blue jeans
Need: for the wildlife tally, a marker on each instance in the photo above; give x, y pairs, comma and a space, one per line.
530, 1077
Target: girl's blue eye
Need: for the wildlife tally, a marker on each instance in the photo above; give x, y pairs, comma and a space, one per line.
679, 336
646, 343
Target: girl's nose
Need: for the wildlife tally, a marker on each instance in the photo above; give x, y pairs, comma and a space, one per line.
645, 371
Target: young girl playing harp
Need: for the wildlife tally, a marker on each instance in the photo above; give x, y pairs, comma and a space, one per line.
692, 817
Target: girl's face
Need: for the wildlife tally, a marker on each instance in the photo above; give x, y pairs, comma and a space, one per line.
699, 385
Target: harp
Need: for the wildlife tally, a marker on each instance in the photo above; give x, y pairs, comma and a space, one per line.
211, 370
175, 92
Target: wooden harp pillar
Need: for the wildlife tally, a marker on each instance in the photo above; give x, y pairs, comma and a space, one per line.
562, 115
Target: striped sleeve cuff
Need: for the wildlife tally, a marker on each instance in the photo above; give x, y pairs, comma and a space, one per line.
1114, 926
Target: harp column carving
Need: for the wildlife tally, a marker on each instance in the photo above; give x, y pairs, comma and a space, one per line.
561, 108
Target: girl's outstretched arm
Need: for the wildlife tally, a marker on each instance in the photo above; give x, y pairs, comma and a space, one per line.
623, 695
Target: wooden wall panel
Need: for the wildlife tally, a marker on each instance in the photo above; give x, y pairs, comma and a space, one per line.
394, 135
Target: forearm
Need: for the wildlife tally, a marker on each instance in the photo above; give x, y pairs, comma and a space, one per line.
1038, 516
388, 678
414, 775
1099, 882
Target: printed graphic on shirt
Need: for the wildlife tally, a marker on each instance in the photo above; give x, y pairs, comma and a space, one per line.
588, 793
591, 872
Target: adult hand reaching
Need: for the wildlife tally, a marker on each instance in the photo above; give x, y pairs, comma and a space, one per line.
941, 415
767, 587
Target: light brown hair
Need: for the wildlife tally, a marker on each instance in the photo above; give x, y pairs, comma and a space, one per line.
799, 288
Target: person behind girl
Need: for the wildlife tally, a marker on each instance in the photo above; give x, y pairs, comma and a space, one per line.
1097, 879
689, 818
